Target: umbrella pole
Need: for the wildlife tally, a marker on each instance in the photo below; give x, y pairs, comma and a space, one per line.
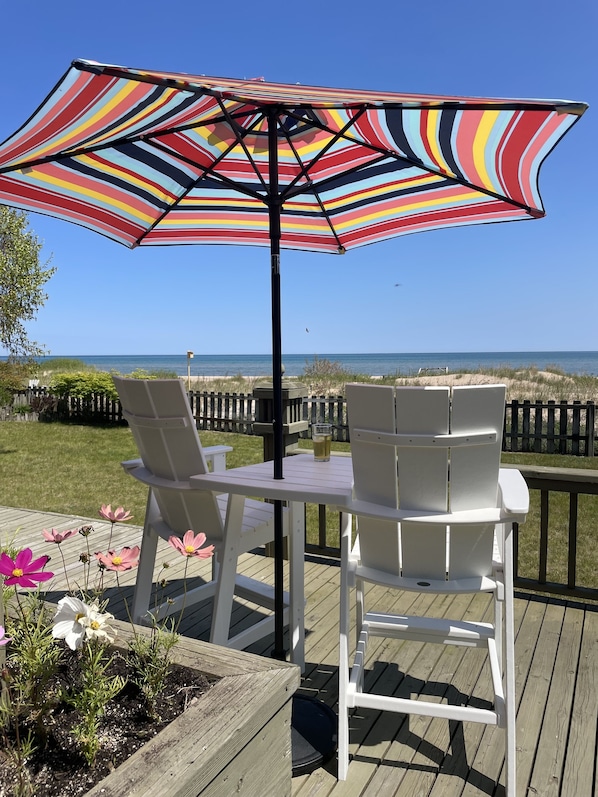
279, 651
313, 723
274, 219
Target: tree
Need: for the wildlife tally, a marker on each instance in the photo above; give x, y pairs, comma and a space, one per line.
22, 278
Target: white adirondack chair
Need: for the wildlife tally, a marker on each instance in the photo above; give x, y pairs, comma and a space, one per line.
160, 418
434, 515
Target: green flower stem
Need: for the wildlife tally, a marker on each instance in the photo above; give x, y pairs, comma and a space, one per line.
4, 696
126, 603
2, 647
178, 622
66, 575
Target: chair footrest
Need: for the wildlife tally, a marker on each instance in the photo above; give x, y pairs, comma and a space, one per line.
246, 588
424, 708
428, 629
257, 591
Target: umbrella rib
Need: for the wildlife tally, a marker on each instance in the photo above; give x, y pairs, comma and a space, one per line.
293, 189
336, 136
241, 140
310, 185
211, 170
126, 139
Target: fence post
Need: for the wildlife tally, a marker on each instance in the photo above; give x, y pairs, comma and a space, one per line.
293, 395
515, 441
590, 428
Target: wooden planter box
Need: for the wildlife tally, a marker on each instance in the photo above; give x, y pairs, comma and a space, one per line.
236, 739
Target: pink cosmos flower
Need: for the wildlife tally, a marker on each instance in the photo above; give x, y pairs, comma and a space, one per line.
118, 516
58, 536
23, 570
3, 638
191, 545
127, 559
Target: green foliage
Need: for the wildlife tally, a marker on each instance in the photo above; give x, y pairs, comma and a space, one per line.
22, 409
60, 364
151, 662
159, 373
13, 377
90, 695
22, 278
27, 701
39, 677
321, 375
83, 384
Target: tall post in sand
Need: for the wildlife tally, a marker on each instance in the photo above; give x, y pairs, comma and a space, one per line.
189, 358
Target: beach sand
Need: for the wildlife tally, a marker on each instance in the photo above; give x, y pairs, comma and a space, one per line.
518, 386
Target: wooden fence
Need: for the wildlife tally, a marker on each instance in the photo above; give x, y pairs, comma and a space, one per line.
530, 426
223, 412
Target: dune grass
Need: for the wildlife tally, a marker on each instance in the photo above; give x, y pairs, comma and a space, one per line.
72, 469
323, 377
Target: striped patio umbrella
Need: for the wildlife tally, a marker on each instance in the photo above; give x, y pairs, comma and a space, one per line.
151, 158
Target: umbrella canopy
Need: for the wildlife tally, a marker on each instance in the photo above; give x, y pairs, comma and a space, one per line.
160, 158
149, 158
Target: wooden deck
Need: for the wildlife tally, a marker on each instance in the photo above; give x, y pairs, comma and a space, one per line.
557, 680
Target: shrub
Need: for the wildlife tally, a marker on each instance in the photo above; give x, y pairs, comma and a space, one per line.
83, 384
13, 377
321, 375
22, 409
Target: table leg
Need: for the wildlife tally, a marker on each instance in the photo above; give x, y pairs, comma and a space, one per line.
297, 583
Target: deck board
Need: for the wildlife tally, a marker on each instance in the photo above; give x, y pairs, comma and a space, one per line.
395, 755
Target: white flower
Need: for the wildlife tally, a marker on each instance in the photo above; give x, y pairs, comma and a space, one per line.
75, 621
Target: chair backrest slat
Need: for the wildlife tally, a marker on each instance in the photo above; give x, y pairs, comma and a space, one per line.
423, 472
160, 418
427, 475
375, 471
474, 476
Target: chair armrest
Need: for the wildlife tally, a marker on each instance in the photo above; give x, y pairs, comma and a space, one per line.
513, 493
216, 455
131, 464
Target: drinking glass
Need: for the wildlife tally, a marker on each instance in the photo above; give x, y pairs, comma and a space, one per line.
321, 435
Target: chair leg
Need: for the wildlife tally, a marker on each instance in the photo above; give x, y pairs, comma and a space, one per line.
509, 659
499, 632
227, 571
296, 542
145, 570
343, 668
359, 608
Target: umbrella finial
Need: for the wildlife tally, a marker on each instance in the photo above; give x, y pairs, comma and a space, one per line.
341, 250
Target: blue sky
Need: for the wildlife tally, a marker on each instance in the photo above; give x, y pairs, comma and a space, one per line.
529, 285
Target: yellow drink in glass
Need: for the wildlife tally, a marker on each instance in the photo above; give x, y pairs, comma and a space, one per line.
321, 435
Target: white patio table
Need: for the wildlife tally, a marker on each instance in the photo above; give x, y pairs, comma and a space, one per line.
305, 482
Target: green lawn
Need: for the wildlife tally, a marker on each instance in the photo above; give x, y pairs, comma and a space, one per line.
74, 469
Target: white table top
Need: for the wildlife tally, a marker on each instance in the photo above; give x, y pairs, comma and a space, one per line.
304, 480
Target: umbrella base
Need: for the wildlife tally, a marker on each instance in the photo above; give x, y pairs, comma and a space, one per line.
313, 734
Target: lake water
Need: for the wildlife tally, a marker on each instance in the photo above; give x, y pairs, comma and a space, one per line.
376, 364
